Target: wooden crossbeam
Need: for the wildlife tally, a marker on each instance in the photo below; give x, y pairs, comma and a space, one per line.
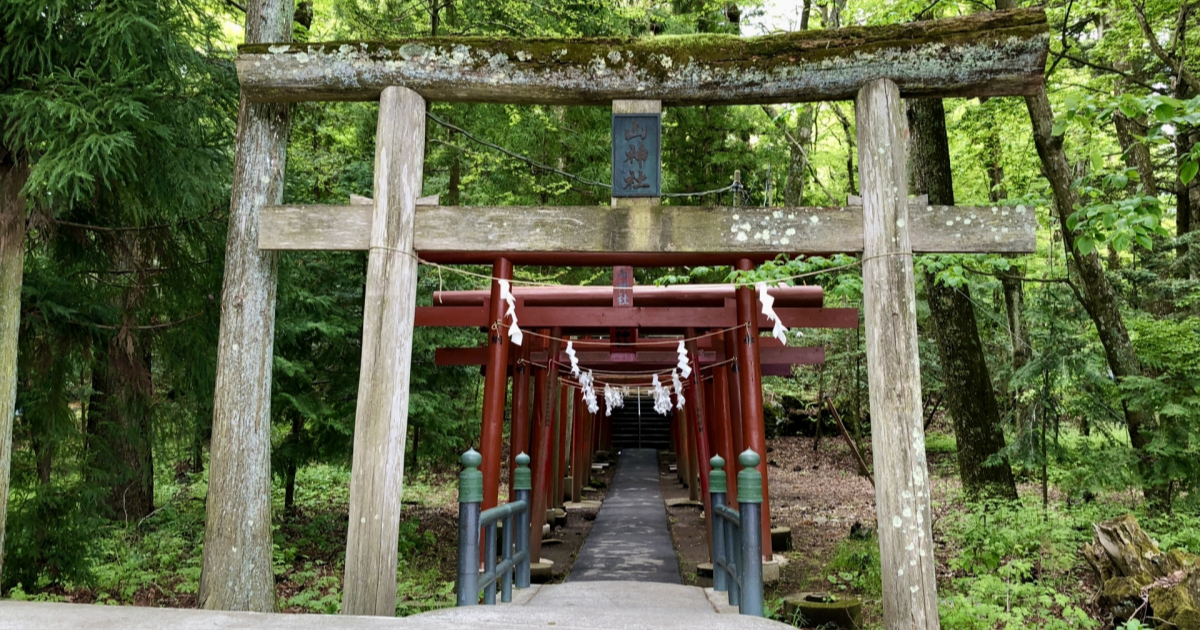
1001, 53
644, 235
642, 317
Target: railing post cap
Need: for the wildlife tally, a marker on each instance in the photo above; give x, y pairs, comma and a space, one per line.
749, 459
471, 459
470, 480
522, 476
717, 462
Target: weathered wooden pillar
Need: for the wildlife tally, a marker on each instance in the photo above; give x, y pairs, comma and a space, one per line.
754, 435
236, 571
893, 367
547, 390
495, 389
519, 433
381, 417
13, 174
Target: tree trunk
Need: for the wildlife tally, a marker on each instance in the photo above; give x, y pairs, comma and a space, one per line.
969, 394
236, 573
293, 462
120, 442
13, 173
1187, 209
1096, 293
1014, 305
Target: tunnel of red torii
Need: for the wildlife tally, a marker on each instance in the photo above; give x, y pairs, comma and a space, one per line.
624, 334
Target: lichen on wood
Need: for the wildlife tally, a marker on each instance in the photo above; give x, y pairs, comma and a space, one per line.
987, 54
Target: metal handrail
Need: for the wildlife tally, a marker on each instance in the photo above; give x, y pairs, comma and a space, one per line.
514, 551
737, 535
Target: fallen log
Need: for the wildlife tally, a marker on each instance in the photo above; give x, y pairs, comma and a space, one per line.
1001, 53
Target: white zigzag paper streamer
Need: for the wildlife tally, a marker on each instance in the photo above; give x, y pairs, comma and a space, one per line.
684, 368
613, 398
679, 400
588, 385
768, 301
570, 352
506, 294
662, 398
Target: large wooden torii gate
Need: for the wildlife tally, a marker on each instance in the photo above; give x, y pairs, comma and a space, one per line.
989, 54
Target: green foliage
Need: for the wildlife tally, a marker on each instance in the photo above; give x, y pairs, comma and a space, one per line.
50, 534
855, 567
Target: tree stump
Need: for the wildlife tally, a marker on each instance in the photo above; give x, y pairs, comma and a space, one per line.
1139, 579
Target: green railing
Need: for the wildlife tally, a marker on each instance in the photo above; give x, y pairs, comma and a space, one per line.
737, 535
513, 564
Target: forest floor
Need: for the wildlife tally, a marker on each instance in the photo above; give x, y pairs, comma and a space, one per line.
1000, 565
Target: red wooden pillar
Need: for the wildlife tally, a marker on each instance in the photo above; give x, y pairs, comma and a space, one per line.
754, 433
495, 390
735, 399
686, 416
519, 433
579, 436
699, 417
682, 459
724, 429
546, 387
564, 431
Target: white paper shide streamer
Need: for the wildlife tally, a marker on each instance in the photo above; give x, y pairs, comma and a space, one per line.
768, 301
684, 368
613, 398
679, 400
662, 397
588, 385
506, 294
570, 352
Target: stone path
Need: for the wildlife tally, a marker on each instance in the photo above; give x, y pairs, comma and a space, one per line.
630, 539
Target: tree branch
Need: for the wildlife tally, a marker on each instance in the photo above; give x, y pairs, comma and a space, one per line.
1180, 69
1095, 66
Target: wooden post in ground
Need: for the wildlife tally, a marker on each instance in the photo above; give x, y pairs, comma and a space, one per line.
698, 416
519, 432
381, 417
546, 384
754, 434
236, 570
893, 367
495, 389
13, 174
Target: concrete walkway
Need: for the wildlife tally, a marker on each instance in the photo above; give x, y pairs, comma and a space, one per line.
630, 539
582, 606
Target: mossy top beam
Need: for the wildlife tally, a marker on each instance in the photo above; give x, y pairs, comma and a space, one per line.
1001, 53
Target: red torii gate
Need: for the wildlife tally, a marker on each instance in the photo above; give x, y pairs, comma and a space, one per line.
622, 312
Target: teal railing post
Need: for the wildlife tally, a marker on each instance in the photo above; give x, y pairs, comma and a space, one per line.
750, 498
716, 489
523, 485
470, 498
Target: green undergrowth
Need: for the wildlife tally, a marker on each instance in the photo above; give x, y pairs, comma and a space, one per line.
157, 561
